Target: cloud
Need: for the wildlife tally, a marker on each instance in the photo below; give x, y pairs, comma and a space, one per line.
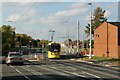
49, 20
87, 18
25, 3
29, 14
13, 17
41, 0
78, 5
18, 5
107, 13
22, 17
72, 12
22, 13
76, 9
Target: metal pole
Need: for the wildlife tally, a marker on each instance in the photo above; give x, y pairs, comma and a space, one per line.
91, 35
107, 42
83, 41
20, 44
78, 37
52, 34
90, 54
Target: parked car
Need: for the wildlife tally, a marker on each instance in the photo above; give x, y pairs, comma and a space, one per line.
14, 57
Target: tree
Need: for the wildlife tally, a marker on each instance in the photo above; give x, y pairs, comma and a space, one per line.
43, 42
97, 19
34, 43
22, 39
8, 37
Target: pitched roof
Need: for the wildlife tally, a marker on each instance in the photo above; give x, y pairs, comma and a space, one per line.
117, 24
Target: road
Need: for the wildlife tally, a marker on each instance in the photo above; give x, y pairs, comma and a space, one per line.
58, 70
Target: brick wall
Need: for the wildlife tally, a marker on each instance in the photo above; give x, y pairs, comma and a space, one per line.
118, 51
106, 40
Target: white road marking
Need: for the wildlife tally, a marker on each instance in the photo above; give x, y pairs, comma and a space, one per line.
67, 72
20, 72
11, 66
38, 73
76, 74
90, 74
27, 65
103, 69
95, 71
71, 68
43, 67
58, 72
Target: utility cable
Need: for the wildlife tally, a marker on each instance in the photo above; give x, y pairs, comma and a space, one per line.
27, 11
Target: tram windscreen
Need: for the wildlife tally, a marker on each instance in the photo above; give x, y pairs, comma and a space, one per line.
55, 48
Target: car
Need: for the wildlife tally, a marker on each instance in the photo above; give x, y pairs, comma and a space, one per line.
14, 57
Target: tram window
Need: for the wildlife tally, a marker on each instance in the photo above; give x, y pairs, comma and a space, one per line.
49, 48
55, 47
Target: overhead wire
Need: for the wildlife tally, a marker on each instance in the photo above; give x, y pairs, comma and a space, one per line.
26, 11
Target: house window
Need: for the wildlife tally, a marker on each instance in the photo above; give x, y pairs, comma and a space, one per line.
97, 35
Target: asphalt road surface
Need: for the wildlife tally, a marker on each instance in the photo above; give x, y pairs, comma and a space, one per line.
58, 70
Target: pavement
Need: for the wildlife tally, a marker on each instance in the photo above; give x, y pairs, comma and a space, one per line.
111, 64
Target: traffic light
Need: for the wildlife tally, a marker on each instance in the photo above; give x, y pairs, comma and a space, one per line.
34, 43
30, 43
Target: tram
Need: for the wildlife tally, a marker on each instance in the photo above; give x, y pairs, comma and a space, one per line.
54, 50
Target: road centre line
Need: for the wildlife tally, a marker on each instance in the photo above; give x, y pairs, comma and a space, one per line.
20, 72
23, 75
67, 72
73, 73
82, 71
43, 67
58, 71
38, 74
11, 66
76, 74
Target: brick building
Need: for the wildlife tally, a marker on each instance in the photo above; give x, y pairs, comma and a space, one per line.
107, 40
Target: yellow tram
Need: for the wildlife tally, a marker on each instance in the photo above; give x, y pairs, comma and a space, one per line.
54, 50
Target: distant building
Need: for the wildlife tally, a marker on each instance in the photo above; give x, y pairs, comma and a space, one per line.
107, 40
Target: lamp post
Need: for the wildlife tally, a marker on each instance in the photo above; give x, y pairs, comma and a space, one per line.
52, 34
90, 54
78, 37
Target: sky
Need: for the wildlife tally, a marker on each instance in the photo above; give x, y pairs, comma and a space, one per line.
38, 18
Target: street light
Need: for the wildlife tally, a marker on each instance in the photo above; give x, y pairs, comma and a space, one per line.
78, 37
52, 34
90, 54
